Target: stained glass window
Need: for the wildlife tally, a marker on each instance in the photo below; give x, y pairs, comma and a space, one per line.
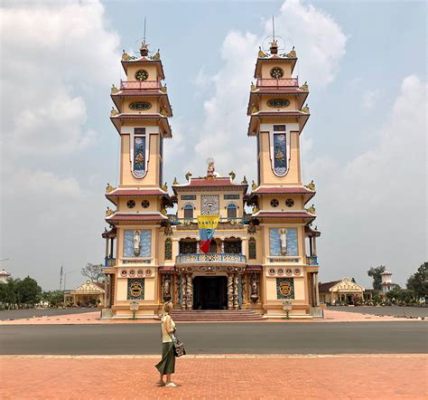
280, 153
139, 155
168, 249
252, 249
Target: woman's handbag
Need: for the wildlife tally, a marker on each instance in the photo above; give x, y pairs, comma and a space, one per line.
179, 349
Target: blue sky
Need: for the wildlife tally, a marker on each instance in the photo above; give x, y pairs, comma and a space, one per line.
365, 143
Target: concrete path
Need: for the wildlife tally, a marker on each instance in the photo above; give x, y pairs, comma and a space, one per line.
93, 317
345, 377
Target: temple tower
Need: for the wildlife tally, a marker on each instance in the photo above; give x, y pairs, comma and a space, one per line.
278, 115
140, 116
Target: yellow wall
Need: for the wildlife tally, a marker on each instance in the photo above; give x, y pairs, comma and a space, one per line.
152, 100
132, 69
263, 105
267, 66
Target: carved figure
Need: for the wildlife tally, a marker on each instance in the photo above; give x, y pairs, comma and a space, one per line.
109, 188
167, 288
211, 168
137, 243
310, 185
254, 289
283, 241
229, 292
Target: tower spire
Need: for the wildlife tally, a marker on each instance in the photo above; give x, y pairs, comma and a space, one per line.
274, 43
144, 49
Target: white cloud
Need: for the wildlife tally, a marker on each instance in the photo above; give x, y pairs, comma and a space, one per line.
56, 57
50, 52
373, 209
321, 44
369, 99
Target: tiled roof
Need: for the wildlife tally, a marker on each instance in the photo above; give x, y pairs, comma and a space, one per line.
204, 182
324, 287
119, 217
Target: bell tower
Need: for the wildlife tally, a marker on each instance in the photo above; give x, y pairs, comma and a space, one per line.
277, 117
141, 119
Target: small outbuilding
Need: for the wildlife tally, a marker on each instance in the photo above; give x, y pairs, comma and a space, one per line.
86, 295
344, 291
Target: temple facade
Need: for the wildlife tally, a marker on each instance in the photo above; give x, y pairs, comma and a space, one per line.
262, 256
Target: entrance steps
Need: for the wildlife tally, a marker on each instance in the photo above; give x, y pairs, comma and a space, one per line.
216, 315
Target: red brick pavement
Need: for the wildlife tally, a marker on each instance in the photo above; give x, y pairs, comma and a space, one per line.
216, 377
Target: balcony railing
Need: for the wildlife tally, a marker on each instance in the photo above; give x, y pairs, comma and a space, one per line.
140, 85
311, 260
288, 82
109, 262
188, 221
219, 258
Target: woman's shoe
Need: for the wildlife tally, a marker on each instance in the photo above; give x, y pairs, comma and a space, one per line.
170, 384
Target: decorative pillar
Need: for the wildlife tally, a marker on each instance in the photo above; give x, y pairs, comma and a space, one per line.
111, 247
229, 291
106, 257
222, 247
235, 291
314, 247
310, 246
183, 291
244, 289
189, 292
317, 293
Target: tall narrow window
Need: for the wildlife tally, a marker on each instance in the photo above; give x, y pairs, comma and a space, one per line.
188, 211
252, 252
279, 149
139, 153
168, 249
231, 211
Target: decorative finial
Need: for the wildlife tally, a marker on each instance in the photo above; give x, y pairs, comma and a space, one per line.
113, 112
261, 54
311, 209
254, 109
165, 187
310, 185
292, 53
253, 185
144, 49
188, 175
305, 109
109, 188
232, 175
125, 56
175, 181
114, 89
109, 212
244, 181
274, 43
156, 56
305, 87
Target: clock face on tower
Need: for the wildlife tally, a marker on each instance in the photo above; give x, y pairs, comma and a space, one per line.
141, 75
276, 73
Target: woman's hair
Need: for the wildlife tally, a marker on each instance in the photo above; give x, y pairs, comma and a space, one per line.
167, 307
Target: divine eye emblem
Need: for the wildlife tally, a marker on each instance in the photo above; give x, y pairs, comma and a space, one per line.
140, 105
278, 103
141, 75
276, 73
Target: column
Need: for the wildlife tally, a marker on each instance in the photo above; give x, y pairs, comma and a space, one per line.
189, 292
106, 256
229, 291
314, 247
183, 291
317, 293
310, 246
235, 291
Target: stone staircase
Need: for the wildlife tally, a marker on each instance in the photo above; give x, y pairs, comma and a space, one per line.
216, 315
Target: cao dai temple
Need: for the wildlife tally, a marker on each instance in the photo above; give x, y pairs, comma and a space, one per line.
261, 262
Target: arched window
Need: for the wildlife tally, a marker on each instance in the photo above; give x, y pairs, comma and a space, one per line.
168, 249
252, 252
188, 211
231, 211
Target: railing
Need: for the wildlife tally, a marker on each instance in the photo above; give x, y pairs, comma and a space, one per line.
223, 258
311, 260
109, 262
187, 221
140, 84
290, 82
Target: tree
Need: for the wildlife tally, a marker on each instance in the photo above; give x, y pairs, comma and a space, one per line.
28, 291
94, 272
54, 297
8, 293
418, 282
376, 274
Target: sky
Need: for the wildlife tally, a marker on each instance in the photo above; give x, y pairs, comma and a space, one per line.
365, 145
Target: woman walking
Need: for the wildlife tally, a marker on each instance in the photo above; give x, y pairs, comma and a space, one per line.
166, 366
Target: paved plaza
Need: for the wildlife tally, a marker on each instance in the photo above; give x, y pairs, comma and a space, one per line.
217, 377
393, 311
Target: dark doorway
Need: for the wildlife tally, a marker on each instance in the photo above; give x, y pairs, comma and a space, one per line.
210, 293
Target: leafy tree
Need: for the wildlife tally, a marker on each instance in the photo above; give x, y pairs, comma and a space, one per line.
8, 293
54, 297
94, 272
376, 274
418, 282
27, 291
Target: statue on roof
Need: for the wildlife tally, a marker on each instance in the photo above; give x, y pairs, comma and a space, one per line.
211, 168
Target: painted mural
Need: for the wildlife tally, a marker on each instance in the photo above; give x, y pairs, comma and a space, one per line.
139, 166
283, 241
136, 289
137, 243
284, 288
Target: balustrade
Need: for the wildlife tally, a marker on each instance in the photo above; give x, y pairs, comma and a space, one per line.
224, 258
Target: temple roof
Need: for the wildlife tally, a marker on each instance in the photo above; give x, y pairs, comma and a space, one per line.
308, 194
303, 214
210, 182
299, 116
134, 192
116, 119
135, 217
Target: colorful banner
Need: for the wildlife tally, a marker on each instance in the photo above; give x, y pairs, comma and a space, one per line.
208, 221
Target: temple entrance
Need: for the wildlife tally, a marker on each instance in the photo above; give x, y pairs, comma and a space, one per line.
210, 293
